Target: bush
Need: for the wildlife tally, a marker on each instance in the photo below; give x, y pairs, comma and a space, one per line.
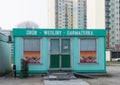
24, 69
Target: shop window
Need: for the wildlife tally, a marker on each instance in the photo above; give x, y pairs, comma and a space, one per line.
55, 45
65, 47
88, 51
31, 50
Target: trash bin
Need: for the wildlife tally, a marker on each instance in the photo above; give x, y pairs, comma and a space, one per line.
14, 70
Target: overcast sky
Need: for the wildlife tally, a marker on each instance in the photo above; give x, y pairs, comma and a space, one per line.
13, 12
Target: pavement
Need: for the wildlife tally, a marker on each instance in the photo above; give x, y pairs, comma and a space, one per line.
38, 80
33, 80
63, 79
112, 79
66, 82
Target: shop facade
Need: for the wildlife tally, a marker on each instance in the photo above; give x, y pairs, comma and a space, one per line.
75, 50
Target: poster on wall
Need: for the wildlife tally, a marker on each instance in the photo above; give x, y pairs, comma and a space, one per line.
88, 52
88, 57
32, 56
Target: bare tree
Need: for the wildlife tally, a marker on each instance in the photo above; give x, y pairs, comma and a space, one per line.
27, 24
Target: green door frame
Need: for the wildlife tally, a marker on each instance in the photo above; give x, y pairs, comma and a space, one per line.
60, 55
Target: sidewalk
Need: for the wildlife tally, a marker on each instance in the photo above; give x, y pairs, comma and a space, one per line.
113, 79
38, 80
17, 81
66, 82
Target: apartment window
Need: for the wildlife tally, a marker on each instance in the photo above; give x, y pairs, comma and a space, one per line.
31, 50
116, 12
78, 10
112, 37
112, 20
88, 50
112, 31
117, 35
116, 7
112, 15
117, 2
112, 3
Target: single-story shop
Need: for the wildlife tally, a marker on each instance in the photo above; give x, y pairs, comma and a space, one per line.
76, 50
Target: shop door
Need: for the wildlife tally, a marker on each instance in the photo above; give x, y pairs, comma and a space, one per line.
65, 53
54, 53
60, 54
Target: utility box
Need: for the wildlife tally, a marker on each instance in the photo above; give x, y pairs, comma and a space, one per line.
108, 55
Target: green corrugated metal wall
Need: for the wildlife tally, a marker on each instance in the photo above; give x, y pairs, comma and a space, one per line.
4, 54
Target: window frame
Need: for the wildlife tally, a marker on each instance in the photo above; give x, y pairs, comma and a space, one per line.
40, 50
96, 39
60, 39
58, 46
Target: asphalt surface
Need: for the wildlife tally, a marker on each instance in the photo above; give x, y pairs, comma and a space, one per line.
112, 79
33, 80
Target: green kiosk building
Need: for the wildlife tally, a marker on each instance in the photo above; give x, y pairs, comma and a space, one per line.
76, 50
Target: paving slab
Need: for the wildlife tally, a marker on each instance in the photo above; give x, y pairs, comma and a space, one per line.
60, 76
24, 81
66, 82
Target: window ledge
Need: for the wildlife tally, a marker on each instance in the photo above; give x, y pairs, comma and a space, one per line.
88, 63
35, 63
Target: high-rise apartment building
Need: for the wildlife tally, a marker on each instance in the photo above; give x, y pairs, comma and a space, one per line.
63, 13
107, 22
81, 13
67, 14
113, 23
78, 14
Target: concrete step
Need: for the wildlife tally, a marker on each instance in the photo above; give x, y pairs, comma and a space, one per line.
60, 76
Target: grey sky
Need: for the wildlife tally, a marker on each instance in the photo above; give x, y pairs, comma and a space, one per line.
13, 12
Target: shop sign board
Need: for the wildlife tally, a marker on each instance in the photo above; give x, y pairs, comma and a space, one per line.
58, 32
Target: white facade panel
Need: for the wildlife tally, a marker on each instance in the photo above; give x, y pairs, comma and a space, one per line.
96, 14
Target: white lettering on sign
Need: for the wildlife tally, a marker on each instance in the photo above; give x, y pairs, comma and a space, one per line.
59, 33
52, 32
79, 33
31, 32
